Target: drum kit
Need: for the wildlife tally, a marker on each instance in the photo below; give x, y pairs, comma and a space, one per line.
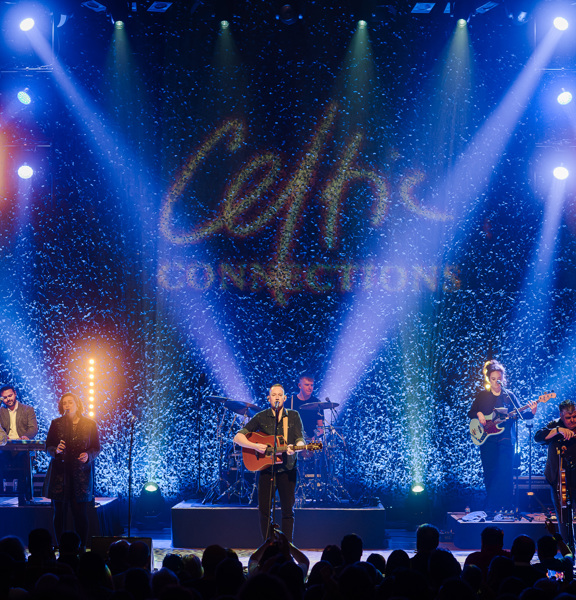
318, 482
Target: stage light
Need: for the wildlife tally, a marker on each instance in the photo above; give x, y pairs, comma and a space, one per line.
27, 24
93, 5
159, 7
150, 503
288, 14
119, 25
417, 488
25, 172
564, 98
462, 23
24, 97
561, 173
561, 23
224, 24
362, 24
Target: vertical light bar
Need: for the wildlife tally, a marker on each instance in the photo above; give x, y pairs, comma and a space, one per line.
91, 387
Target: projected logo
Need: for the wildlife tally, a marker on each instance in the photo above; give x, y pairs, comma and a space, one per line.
261, 196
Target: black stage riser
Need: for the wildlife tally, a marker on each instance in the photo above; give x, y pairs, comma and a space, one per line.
198, 526
467, 535
103, 519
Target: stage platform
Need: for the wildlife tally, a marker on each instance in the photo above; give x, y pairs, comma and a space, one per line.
104, 517
467, 535
195, 525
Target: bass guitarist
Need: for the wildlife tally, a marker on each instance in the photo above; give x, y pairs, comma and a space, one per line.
560, 436
290, 428
497, 452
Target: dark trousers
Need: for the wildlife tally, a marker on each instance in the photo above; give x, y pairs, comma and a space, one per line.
497, 456
286, 486
566, 533
79, 518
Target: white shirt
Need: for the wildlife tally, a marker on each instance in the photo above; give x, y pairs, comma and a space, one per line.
13, 433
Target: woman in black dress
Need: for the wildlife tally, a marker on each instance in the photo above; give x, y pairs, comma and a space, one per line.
73, 444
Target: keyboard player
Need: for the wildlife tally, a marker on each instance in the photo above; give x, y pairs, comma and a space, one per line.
18, 422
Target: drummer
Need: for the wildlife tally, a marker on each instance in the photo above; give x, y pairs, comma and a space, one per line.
308, 406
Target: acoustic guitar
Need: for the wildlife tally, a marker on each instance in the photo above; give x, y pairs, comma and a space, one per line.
255, 461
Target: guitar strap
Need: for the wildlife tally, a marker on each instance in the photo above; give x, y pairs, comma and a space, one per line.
285, 427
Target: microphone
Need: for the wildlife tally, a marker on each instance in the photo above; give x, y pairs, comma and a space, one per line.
500, 382
277, 405
131, 418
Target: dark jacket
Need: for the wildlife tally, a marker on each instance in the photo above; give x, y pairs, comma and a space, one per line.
26, 422
65, 469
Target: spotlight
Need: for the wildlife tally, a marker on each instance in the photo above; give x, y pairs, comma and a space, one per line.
561, 173
288, 14
27, 24
362, 24
150, 503
93, 5
24, 97
118, 24
159, 7
224, 24
25, 172
462, 23
564, 98
561, 23
417, 488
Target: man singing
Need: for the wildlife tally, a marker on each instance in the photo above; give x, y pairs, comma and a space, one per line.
560, 436
19, 422
290, 427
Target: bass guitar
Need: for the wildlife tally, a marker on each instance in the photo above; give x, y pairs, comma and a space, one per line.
255, 461
480, 433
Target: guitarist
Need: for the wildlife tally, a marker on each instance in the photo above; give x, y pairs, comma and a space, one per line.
289, 426
560, 434
497, 452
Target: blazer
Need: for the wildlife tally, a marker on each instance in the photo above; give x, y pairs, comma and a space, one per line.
26, 423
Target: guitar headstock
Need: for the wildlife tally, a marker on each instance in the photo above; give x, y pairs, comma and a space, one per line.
546, 397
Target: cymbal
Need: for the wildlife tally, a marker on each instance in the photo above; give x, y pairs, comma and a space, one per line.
242, 408
216, 398
319, 406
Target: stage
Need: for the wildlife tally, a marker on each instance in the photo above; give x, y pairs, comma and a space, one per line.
104, 517
466, 535
195, 525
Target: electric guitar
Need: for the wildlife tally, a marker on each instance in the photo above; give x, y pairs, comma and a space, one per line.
255, 461
480, 433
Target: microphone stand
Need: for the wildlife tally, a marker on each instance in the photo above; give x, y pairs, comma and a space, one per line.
130, 448
272, 498
516, 446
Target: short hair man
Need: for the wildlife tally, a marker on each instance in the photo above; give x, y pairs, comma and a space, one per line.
289, 425
558, 435
18, 422
307, 405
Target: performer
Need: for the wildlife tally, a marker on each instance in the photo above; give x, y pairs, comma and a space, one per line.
18, 422
497, 451
312, 419
289, 426
73, 444
560, 435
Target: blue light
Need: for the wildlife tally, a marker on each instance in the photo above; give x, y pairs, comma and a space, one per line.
24, 97
561, 23
564, 98
25, 172
561, 173
27, 24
